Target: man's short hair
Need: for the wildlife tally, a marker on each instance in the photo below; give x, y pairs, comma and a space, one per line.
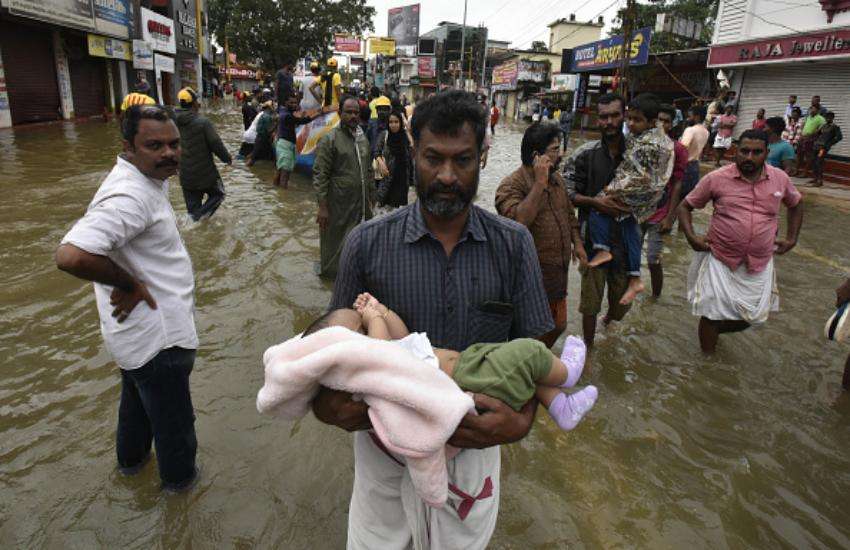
647, 104
754, 134
667, 108
696, 111
447, 112
135, 114
611, 97
536, 139
347, 97
776, 124
798, 110
829, 114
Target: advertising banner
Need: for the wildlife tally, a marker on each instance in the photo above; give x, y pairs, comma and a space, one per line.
114, 17
608, 53
532, 71
238, 72
158, 31
564, 82
101, 46
427, 66
382, 46
186, 26
346, 44
832, 44
505, 76
72, 13
142, 55
164, 63
403, 26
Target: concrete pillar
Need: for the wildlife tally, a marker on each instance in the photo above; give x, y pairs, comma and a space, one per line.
5, 108
122, 78
63, 77
110, 83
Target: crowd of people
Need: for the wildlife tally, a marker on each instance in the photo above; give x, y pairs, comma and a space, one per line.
480, 296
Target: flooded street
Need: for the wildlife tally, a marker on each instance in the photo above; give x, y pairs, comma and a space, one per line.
748, 449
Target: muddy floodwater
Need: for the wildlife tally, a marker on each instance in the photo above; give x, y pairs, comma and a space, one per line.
747, 449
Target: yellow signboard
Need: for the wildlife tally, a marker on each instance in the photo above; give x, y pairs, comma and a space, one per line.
383, 46
101, 46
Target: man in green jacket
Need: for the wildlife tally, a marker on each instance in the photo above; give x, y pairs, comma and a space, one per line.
198, 173
344, 182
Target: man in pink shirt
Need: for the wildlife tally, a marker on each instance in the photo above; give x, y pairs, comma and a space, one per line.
731, 282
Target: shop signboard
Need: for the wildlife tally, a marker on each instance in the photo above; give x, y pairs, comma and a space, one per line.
532, 71
71, 13
346, 44
427, 66
158, 31
102, 46
564, 82
381, 46
238, 72
800, 47
608, 53
185, 22
505, 76
163, 63
403, 26
114, 17
142, 55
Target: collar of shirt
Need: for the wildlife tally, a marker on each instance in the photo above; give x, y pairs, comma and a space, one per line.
124, 163
735, 173
416, 227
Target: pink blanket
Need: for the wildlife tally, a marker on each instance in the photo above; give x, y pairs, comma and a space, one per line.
414, 408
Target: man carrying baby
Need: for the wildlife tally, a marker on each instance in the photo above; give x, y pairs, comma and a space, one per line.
463, 276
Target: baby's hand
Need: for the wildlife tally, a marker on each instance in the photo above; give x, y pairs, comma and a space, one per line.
370, 312
361, 301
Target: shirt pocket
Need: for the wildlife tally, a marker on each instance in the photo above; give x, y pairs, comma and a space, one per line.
489, 326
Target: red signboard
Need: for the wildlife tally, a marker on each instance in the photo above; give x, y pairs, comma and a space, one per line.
427, 66
349, 44
775, 50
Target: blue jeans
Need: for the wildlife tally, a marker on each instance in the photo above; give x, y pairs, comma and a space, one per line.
156, 406
600, 236
689, 179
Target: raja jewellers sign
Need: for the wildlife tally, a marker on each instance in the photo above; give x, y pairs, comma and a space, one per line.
800, 47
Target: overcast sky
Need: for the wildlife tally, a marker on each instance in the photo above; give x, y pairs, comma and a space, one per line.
517, 21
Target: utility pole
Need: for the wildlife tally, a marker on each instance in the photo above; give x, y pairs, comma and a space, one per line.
628, 26
484, 59
462, 40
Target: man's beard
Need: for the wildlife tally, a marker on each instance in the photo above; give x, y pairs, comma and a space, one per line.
446, 208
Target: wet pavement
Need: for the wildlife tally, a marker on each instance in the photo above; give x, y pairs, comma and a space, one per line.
745, 449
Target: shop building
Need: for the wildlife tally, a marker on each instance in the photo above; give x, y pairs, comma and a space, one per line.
770, 49
63, 60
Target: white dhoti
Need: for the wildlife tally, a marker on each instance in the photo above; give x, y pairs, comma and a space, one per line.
720, 294
386, 513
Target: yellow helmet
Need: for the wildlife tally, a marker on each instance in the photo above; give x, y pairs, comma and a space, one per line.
314, 65
332, 63
187, 95
383, 101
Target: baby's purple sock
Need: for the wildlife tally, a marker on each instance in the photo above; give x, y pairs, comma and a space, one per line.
568, 410
573, 357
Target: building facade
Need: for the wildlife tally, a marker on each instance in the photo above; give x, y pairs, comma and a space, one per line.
770, 49
62, 60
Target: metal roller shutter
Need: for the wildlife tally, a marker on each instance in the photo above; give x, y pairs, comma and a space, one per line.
768, 87
30, 73
88, 78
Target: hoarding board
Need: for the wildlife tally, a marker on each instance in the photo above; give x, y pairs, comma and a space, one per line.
102, 46
346, 44
608, 53
158, 31
505, 76
382, 46
403, 25
72, 13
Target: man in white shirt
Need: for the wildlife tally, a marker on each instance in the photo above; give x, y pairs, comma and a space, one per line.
694, 138
127, 243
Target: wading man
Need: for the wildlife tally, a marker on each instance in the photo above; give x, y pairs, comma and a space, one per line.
588, 170
732, 282
344, 183
199, 141
128, 245
463, 276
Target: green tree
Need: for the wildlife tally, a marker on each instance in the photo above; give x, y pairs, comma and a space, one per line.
700, 11
271, 32
539, 46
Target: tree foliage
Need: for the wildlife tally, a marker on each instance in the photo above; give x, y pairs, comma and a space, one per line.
539, 46
702, 11
271, 32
